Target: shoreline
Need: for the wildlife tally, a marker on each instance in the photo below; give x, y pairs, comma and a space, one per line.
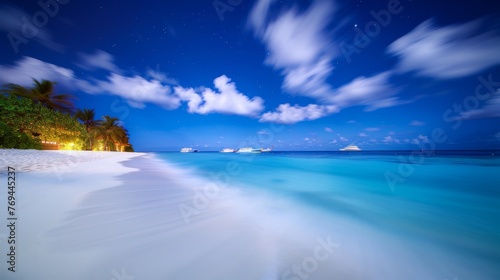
102, 214
88, 215
93, 222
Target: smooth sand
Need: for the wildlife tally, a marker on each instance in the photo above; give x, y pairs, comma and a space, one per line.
49, 185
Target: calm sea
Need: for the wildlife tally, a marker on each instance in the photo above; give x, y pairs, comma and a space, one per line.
394, 214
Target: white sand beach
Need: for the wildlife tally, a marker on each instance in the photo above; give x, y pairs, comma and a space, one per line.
93, 215
50, 184
102, 215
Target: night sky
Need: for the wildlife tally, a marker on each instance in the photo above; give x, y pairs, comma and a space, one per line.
296, 75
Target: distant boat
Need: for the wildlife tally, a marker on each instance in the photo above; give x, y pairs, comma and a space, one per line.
248, 150
227, 150
351, 148
188, 150
266, 150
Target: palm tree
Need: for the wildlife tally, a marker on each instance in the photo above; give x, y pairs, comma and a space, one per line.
122, 141
110, 129
43, 93
86, 116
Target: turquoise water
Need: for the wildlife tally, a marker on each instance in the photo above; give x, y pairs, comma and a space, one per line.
438, 214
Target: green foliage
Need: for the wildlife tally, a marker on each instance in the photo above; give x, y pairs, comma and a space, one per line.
11, 138
38, 122
30, 116
58, 127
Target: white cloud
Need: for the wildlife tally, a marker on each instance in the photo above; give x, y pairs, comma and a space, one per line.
228, 100
373, 92
417, 123
309, 79
362, 134
327, 129
304, 31
372, 129
189, 95
287, 114
343, 139
307, 64
258, 15
162, 77
98, 60
420, 138
446, 52
424, 138
390, 139
137, 91
490, 109
300, 46
27, 68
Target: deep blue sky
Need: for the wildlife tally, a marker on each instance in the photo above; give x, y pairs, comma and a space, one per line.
297, 75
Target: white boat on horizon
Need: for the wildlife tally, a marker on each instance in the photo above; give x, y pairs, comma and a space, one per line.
248, 150
227, 150
266, 150
188, 150
351, 148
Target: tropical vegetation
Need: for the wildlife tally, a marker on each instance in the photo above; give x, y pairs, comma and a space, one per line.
38, 118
